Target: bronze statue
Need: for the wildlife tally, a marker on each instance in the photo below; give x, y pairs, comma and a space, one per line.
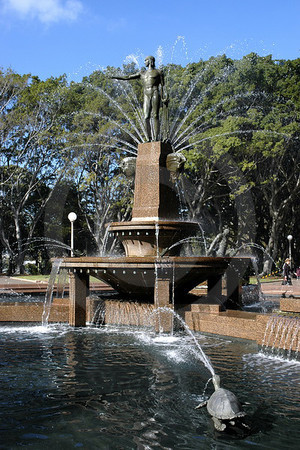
152, 79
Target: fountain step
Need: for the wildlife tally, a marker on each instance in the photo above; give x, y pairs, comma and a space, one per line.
205, 308
225, 325
239, 314
290, 305
32, 312
238, 324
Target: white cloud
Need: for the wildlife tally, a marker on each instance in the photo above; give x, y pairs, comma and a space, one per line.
46, 11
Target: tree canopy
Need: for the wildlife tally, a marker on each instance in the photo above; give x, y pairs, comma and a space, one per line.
235, 121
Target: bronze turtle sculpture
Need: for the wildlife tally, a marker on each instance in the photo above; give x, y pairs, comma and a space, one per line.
224, 407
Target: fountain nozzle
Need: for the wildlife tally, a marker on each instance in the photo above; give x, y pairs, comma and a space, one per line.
216, 381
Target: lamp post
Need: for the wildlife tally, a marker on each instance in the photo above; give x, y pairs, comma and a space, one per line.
290, 238
72, 217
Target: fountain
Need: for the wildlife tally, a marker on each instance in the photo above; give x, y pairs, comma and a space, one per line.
152, 269
112, 386
152, 272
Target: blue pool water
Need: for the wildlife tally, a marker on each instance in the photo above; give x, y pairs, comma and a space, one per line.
116, 388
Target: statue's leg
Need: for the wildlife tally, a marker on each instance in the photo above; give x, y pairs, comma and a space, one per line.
156, 128
147, 111
155, 114
148, 130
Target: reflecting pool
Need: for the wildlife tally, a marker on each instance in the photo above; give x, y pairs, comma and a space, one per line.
117, 388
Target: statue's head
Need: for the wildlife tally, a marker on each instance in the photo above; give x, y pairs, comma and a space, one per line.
150, 60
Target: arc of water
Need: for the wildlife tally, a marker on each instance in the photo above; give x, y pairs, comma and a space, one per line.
179, 39
254, 263
117, 124
195, 103
255, 267
103, 144
118, 106
201, 128
42, 240
184, 100
215, 117
135, 105
232, 133
51, 245
254, 245
199, 353
115, 139
267, 336
294, 336
105, 239
182, 241
283, 333
279, 325
49, 293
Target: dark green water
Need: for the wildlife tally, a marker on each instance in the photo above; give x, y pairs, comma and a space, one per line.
117, 389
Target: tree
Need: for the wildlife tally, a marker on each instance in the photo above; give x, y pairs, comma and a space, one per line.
237, 123
242, 138
32, 159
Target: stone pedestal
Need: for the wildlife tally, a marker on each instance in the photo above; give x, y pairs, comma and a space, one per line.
163, 306
152, 241
234, 288
155, 224
154, 196
214, 287
79, 291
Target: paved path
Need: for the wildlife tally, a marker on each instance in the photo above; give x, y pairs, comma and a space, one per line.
272, 288
277, 289
20, 285
34, 286
12, 281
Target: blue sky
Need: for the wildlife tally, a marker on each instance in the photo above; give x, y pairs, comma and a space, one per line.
52, 37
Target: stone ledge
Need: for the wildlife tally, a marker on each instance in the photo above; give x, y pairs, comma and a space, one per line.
32, 312
290, 305
205, 308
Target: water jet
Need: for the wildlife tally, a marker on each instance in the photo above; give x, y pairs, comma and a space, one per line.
154, 230
77, 381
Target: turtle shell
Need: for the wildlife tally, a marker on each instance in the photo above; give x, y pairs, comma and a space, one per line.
223, 404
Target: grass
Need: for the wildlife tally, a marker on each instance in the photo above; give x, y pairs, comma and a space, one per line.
32, 277
271, 279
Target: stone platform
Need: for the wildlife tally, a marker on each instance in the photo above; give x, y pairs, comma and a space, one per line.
201, 315
163, 281
208, 318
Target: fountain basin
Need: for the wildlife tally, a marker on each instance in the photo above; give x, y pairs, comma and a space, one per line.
153, 237
137, 275
115, 388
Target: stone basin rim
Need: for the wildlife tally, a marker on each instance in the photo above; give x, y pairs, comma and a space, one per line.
86, 261
151, 224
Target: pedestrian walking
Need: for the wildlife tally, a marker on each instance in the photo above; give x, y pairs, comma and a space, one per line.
287, 272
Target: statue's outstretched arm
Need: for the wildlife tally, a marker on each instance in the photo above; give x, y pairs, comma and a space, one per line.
134, 76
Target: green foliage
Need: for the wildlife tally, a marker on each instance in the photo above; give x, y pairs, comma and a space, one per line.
236, 121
